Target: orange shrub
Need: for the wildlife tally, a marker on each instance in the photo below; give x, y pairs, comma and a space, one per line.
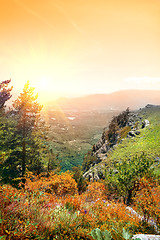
73, 203
147, 200
95, 191
63, 184
110, 215
59, 185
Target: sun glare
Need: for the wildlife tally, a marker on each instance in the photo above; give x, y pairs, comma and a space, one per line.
44, 88
50, 88
43, 84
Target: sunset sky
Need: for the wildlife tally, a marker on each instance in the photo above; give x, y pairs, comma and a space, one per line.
78, 47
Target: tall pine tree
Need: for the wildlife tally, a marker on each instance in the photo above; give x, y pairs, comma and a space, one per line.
28, 111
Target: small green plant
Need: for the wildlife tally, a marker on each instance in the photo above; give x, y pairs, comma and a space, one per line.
123, 132
2, 237
97, 234
126, 234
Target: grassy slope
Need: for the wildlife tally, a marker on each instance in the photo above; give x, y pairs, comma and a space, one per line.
148, 141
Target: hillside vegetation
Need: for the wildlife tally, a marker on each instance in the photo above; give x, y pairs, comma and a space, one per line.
130, 140
127, 151
115, 196
147, 141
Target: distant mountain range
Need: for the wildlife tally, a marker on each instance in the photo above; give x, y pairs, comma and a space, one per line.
120, 100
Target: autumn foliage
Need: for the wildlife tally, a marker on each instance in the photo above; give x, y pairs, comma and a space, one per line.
95, 190
51, 208
147, 200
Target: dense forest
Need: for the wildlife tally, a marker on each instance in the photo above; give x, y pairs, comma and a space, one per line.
39, 201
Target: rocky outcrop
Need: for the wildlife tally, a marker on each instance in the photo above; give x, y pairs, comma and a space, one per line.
102, 147
127, 122
95, 173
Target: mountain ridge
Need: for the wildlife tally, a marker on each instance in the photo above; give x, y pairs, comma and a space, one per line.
116, 100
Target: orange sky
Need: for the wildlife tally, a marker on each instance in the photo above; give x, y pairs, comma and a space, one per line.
80, 46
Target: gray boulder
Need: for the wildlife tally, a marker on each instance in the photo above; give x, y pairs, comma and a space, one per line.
137, 132
145, 123
131, 134
99, 144
146, 237
104, 148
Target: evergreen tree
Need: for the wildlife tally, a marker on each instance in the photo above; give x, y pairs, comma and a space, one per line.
5, 125
9, 162
53, 162
28, 127
80, 180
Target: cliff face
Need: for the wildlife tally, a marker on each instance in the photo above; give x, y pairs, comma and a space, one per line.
125, 125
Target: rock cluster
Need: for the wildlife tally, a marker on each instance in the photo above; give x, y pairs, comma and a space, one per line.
135, 123
94, 173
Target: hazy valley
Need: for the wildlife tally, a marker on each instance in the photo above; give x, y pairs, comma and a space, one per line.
72, 133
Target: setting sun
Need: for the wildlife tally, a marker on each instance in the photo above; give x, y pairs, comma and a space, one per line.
43, 88
47, 90
43, 84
